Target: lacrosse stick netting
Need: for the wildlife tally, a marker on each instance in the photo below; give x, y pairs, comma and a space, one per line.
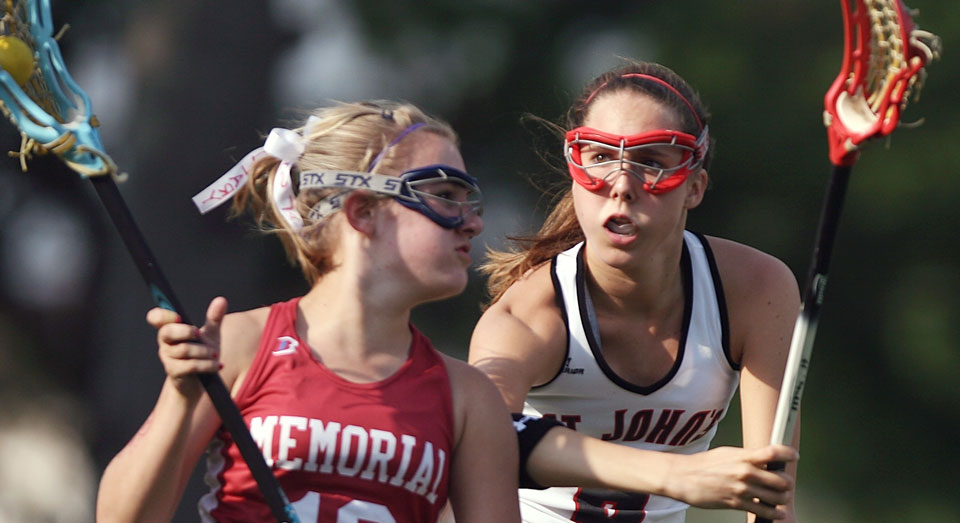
49, 108
54, 116
884, 62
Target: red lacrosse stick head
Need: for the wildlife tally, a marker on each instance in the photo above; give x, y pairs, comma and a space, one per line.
884, 57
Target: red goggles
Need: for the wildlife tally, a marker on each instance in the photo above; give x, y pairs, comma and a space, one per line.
661, 159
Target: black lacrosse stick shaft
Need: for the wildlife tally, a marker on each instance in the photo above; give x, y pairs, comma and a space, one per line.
163, 296
817, 277
826, 234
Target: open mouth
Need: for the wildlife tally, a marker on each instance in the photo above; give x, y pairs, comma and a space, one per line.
620, 225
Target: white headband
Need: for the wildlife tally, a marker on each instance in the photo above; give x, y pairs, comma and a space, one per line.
283, 144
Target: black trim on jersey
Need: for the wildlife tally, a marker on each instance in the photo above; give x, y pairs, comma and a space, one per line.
558, 297
686, 270
721, 301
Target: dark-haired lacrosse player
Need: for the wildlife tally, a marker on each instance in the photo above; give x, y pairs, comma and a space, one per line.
618, 322
358, 416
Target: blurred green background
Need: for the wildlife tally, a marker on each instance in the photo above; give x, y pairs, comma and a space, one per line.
184, 89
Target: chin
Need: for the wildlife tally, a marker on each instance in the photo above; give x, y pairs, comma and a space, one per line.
620, 257
457, 288
448, 288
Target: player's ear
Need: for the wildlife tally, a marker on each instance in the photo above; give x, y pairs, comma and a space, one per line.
696, 187
360, 209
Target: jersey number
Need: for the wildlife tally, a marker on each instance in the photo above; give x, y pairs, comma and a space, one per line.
602, 506
308, 509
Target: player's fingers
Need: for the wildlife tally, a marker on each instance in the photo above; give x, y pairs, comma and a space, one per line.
189, 351
779, 481
215, 313
175, 333
763, 455
159, 316
178, 368
764, 511
182, 359
769, 496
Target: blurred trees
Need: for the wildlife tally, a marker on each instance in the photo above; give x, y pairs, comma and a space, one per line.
205, 81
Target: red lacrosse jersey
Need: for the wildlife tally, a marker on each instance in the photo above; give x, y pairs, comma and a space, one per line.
342, 451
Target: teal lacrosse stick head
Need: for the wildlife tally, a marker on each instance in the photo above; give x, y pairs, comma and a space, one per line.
51, 111
54, 115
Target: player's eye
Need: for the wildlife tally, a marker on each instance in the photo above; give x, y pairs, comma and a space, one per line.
447, 191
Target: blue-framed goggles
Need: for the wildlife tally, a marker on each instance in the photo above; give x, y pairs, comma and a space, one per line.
445, 194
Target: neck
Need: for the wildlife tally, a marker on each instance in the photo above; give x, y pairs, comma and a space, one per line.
648, 286
350, 314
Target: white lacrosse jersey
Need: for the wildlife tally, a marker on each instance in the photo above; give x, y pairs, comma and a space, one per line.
679, 413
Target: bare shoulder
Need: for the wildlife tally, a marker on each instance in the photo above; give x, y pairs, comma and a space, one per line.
520, 341
761, 294
484, 461
474, 394
530, 304
746, 270
465, 377
531, 294
239, 340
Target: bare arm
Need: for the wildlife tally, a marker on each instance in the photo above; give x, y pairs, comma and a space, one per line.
763, 300
483, 484
137, 485
520, 340
145, 480
726, 477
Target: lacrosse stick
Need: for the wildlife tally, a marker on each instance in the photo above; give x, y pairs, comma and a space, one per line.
54, 116
884, 57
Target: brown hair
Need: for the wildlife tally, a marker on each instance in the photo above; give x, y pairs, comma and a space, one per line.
561, 230
344, 136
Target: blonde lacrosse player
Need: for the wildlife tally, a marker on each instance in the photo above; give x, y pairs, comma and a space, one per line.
358, 416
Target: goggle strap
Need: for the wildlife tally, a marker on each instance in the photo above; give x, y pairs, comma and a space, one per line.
326, 207
393, 142
702, 144
401, 188
350, 180
347, 181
